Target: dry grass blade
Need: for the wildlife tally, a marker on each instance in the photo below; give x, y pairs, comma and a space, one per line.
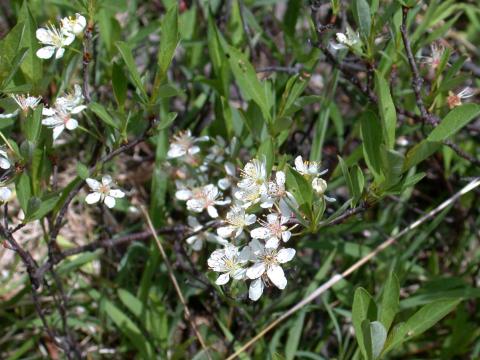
188, 314
337, 277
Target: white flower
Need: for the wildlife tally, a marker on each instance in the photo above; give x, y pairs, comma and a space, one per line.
75, 24
199, 237
5, 194
229, 261
455, 100
55, 39
272, 230
102, 191
320, 186
184, 144
436, 53
253, 184
349, 39
4, 161
60, 117
226, 182
206, 199
267, 261
237, 220
308, 168
277, 191
26, 102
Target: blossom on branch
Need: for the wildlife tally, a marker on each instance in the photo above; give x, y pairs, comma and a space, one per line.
103, 192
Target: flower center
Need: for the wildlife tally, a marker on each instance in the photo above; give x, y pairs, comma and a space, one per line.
103, 189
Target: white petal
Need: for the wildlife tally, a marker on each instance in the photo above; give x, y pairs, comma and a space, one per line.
71, 124
193, 223
256, 270
239, 274
285, 255
4, 163
106, 180
276, 275
260, 233
43, 35
93, 184
272, 218
193, 150
175, 151
68, 39
256, 247
212, 212
224, 183
286, 235
5, 193
59, 53
250, 219
57, 130
195, 205
46, 52
299, 165
280, 177
225, 231
272, 243
48, 111
78, 109
255, 290
230, 169
244, 255
109, 201
116, 193
197, 244
52, 121
92, 198
223, 279
183, 194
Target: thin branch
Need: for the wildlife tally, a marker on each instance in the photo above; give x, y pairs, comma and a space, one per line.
188, 314
417, 80
337, 277
460, 152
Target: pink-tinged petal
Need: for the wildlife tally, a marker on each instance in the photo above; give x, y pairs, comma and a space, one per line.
93, 184
92, 198
276, 275
255, 290
285, 255
256, 270
45, 52
109, 201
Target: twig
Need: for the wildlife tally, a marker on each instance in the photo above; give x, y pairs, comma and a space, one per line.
337, 277
293, 70
417, 80
460, 152
188, 315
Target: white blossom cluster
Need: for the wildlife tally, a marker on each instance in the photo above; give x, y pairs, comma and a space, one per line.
61, 115
259, 221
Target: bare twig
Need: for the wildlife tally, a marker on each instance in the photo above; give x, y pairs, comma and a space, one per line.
460, 152
337, 277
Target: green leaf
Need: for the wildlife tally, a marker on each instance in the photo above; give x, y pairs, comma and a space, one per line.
82, 171
300, 187
366, 339
419, 152
103, 114
419, 322
361, 13
33, 125
119, 84
267, 151
32, 65
454, 121
371, 130
165, 123
246, 78
294, 335
390, 301
131, 302
127, 56
363, 308
346, 175
24, 191
378, 336
386, 109
358, 183
42, 208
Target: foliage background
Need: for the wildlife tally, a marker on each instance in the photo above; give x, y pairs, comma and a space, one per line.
258, 71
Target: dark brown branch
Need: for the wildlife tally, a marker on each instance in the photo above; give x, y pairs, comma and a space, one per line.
460, 152
417, 80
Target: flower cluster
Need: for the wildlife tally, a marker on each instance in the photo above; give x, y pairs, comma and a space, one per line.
56, 39
60, 116
262, 212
